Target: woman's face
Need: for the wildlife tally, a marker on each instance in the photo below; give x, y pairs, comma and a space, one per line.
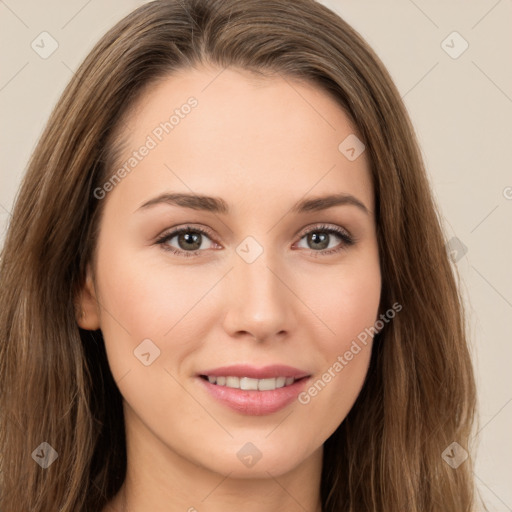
256, 281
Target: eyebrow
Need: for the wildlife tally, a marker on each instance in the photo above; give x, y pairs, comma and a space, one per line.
218, 205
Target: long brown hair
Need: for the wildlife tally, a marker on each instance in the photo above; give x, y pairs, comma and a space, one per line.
55, 383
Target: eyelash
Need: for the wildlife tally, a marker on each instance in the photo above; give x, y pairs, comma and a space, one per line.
347, 240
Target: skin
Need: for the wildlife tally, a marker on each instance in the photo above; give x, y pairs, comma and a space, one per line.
261, 145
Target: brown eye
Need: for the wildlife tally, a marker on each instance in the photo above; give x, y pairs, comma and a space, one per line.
188, 239
319, 238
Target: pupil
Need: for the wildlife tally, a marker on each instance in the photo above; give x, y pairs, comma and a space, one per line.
314, 238
195, 237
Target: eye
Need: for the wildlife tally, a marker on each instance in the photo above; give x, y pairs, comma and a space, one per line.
322, 242
188, 237
190, 240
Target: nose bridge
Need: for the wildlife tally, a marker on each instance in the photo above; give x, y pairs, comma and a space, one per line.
259, 302
255, 271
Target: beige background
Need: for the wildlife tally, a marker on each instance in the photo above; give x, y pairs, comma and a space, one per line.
461, 108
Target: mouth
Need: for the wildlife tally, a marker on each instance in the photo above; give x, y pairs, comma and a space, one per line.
251, 384
253, 391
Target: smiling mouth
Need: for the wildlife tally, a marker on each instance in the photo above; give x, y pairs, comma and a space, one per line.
250, 384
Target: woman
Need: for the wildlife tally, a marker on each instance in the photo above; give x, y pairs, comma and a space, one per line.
257, 369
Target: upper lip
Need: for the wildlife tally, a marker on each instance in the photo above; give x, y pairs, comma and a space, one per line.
265, 372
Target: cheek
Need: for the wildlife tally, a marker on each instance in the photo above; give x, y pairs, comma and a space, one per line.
348, 308
139, 302
346, 300
135, 305
143, 297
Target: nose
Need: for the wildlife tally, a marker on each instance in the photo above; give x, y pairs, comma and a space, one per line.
260, 303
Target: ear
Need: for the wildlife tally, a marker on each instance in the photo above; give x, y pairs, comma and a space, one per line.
88, 312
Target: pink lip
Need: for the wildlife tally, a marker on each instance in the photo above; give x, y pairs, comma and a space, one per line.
253, 402
267, 372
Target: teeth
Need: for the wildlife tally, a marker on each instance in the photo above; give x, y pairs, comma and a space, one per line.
233, 382
269, 384
247, 383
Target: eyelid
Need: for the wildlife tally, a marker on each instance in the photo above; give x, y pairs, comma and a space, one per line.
319, 226
175, 230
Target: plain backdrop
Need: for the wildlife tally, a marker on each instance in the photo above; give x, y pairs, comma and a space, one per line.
457, 88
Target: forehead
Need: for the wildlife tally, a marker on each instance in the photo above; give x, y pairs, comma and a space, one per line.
229, 130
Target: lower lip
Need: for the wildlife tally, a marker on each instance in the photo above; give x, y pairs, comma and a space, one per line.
253, 402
